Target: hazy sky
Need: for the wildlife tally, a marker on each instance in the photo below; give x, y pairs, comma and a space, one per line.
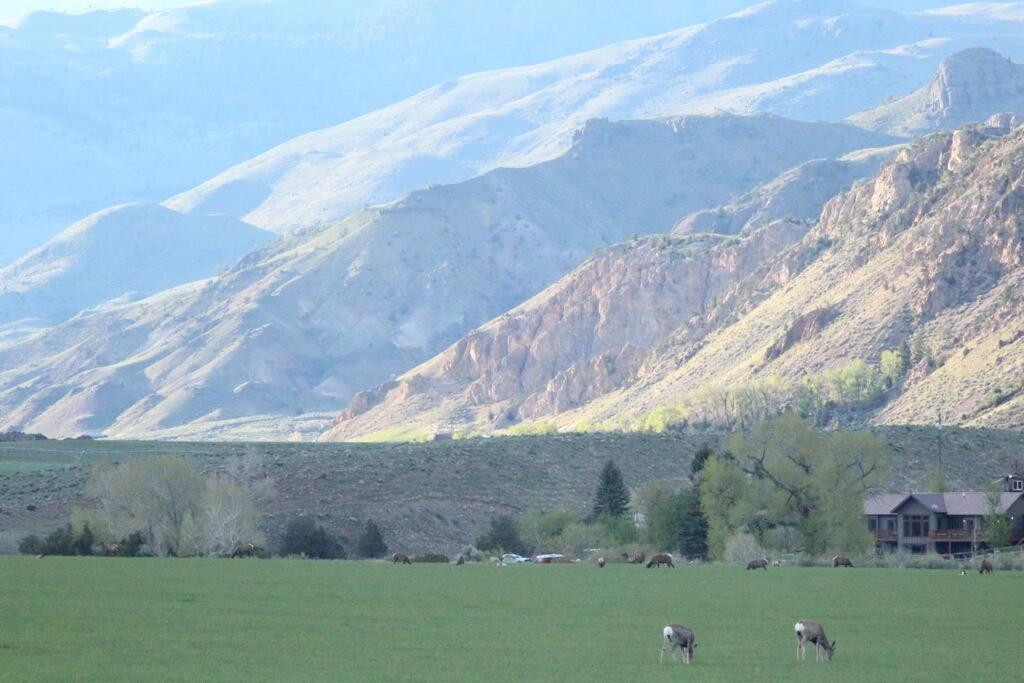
17, 8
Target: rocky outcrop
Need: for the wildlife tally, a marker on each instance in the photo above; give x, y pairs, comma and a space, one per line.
970, 86
929, 252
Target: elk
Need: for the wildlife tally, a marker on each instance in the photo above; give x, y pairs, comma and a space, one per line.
812, 632
600, 562
840, 561
986, 566
673, 636
660, 559
758, 564
400, 558
243, 550
637, 557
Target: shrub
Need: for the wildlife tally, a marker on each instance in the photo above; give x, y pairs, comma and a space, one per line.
305, 537
30, 545
742, 548
503, 535
432, 557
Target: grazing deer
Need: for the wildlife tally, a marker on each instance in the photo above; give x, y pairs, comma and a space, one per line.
400, 558
660, 559
758, 564
776, 563
461, 561
840, 561
637, 557
243, 550
600, 562
986, 566
673, 636
812, 632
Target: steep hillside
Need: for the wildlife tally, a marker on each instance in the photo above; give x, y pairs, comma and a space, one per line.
928, 253
102, 108
134, 250
969, 86
310, 320
806, 59
440, 496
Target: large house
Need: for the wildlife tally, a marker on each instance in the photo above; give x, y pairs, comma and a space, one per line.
944, 523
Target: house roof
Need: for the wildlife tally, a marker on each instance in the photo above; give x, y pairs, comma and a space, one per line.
953, 503
884, 504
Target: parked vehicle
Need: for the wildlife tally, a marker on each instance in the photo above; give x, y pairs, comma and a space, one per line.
548, 559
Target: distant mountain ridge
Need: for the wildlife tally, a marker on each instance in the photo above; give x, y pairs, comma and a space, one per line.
803, 59
309, 320
136, 249
103, 108
969, 86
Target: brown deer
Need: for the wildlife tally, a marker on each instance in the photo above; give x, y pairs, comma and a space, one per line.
400, 558
600, 562
776, 563
840, 561
461, 561
243, 550
812, 632
986, 566
673, 636
758, 564
637, 557
660, 559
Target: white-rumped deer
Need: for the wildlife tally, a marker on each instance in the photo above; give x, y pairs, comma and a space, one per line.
673, 636
812, 632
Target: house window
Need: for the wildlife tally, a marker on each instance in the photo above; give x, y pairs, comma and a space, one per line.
872, 523
1018, 484
890, 524
915, 525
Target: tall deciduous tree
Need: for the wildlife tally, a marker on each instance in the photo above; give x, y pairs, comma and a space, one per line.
612, 496
785, 473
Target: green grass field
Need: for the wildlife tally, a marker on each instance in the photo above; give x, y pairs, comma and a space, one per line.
100, 618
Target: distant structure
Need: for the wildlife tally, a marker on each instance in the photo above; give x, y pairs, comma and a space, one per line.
943, 523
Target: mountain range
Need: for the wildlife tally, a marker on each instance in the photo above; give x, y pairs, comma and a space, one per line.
104, 108
575, 269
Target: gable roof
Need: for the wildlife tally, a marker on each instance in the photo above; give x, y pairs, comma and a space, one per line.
884, 504
974, 503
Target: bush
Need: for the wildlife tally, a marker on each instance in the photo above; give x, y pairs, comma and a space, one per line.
371, 541
742, 548
503, 535
30, 545
305, 537
437, 558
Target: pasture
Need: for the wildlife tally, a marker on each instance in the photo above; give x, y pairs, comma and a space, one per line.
111, 618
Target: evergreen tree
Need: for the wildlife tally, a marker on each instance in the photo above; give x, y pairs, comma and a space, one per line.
693, 528
700, 458
612, 496
83, 543
371, 542
905, 355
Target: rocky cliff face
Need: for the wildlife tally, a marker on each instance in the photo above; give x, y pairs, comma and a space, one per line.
928, 252
970, 85
307, 322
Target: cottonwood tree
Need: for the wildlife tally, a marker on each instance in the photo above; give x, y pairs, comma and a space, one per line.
177, 509
785, 473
